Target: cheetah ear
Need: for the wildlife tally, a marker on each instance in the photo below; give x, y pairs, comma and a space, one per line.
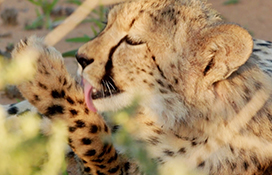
226, 48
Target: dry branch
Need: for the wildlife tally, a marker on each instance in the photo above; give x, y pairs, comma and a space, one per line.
73, 20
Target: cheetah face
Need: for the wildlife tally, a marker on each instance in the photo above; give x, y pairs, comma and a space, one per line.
119, 64
169, 53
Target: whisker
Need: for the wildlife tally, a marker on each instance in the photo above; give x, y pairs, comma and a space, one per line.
108, 88
103, 85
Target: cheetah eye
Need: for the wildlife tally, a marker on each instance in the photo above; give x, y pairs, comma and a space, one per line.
132, 42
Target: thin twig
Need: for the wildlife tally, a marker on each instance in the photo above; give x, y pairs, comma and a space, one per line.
73, 20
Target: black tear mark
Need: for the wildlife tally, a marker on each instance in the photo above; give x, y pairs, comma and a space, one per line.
109, 66
54, 109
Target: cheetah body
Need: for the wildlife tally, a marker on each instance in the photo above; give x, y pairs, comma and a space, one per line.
204, 97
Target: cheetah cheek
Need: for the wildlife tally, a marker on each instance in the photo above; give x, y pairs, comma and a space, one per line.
88, 95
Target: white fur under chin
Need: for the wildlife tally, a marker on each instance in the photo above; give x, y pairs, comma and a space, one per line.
114, 103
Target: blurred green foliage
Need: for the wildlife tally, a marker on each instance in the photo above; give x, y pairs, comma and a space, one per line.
228, 2
43, 11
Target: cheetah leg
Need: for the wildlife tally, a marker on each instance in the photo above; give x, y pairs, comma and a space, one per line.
55, 94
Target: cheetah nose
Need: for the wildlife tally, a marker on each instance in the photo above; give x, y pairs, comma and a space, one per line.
83, 60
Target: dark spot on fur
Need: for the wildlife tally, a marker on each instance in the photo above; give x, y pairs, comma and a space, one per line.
206, 141
153, 140
36, 98
159, 160
264, 44
115, 128
127, 166
42, 86
13, 110
201, 165
182, 150
151, 123
258, 85
80, 101
86, 141
86, 111
101, 166
154, 58
231, 149
54, 109
132, 22
106, 129
98, 160
99, 173
90, 152
93, 129
208, 67
70, 100
114, 170
163, 91
73, 112
70, 140
171, 88
161, 72
160, 82
80, 124
246, 165
158, 131
113, 158
57, 94
194, 143
71, 129
168, 152
64, 81
87, 169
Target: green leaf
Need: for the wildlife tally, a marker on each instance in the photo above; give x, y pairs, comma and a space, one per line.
83, 39
231, 2
70, 53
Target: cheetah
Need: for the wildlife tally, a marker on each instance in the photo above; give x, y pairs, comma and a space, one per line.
203, 88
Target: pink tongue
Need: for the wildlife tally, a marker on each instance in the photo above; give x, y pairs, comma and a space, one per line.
88, 95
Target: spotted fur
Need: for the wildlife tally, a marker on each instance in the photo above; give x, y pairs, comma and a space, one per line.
204, 88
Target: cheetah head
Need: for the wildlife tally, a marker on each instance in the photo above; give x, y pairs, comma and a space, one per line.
170, 52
